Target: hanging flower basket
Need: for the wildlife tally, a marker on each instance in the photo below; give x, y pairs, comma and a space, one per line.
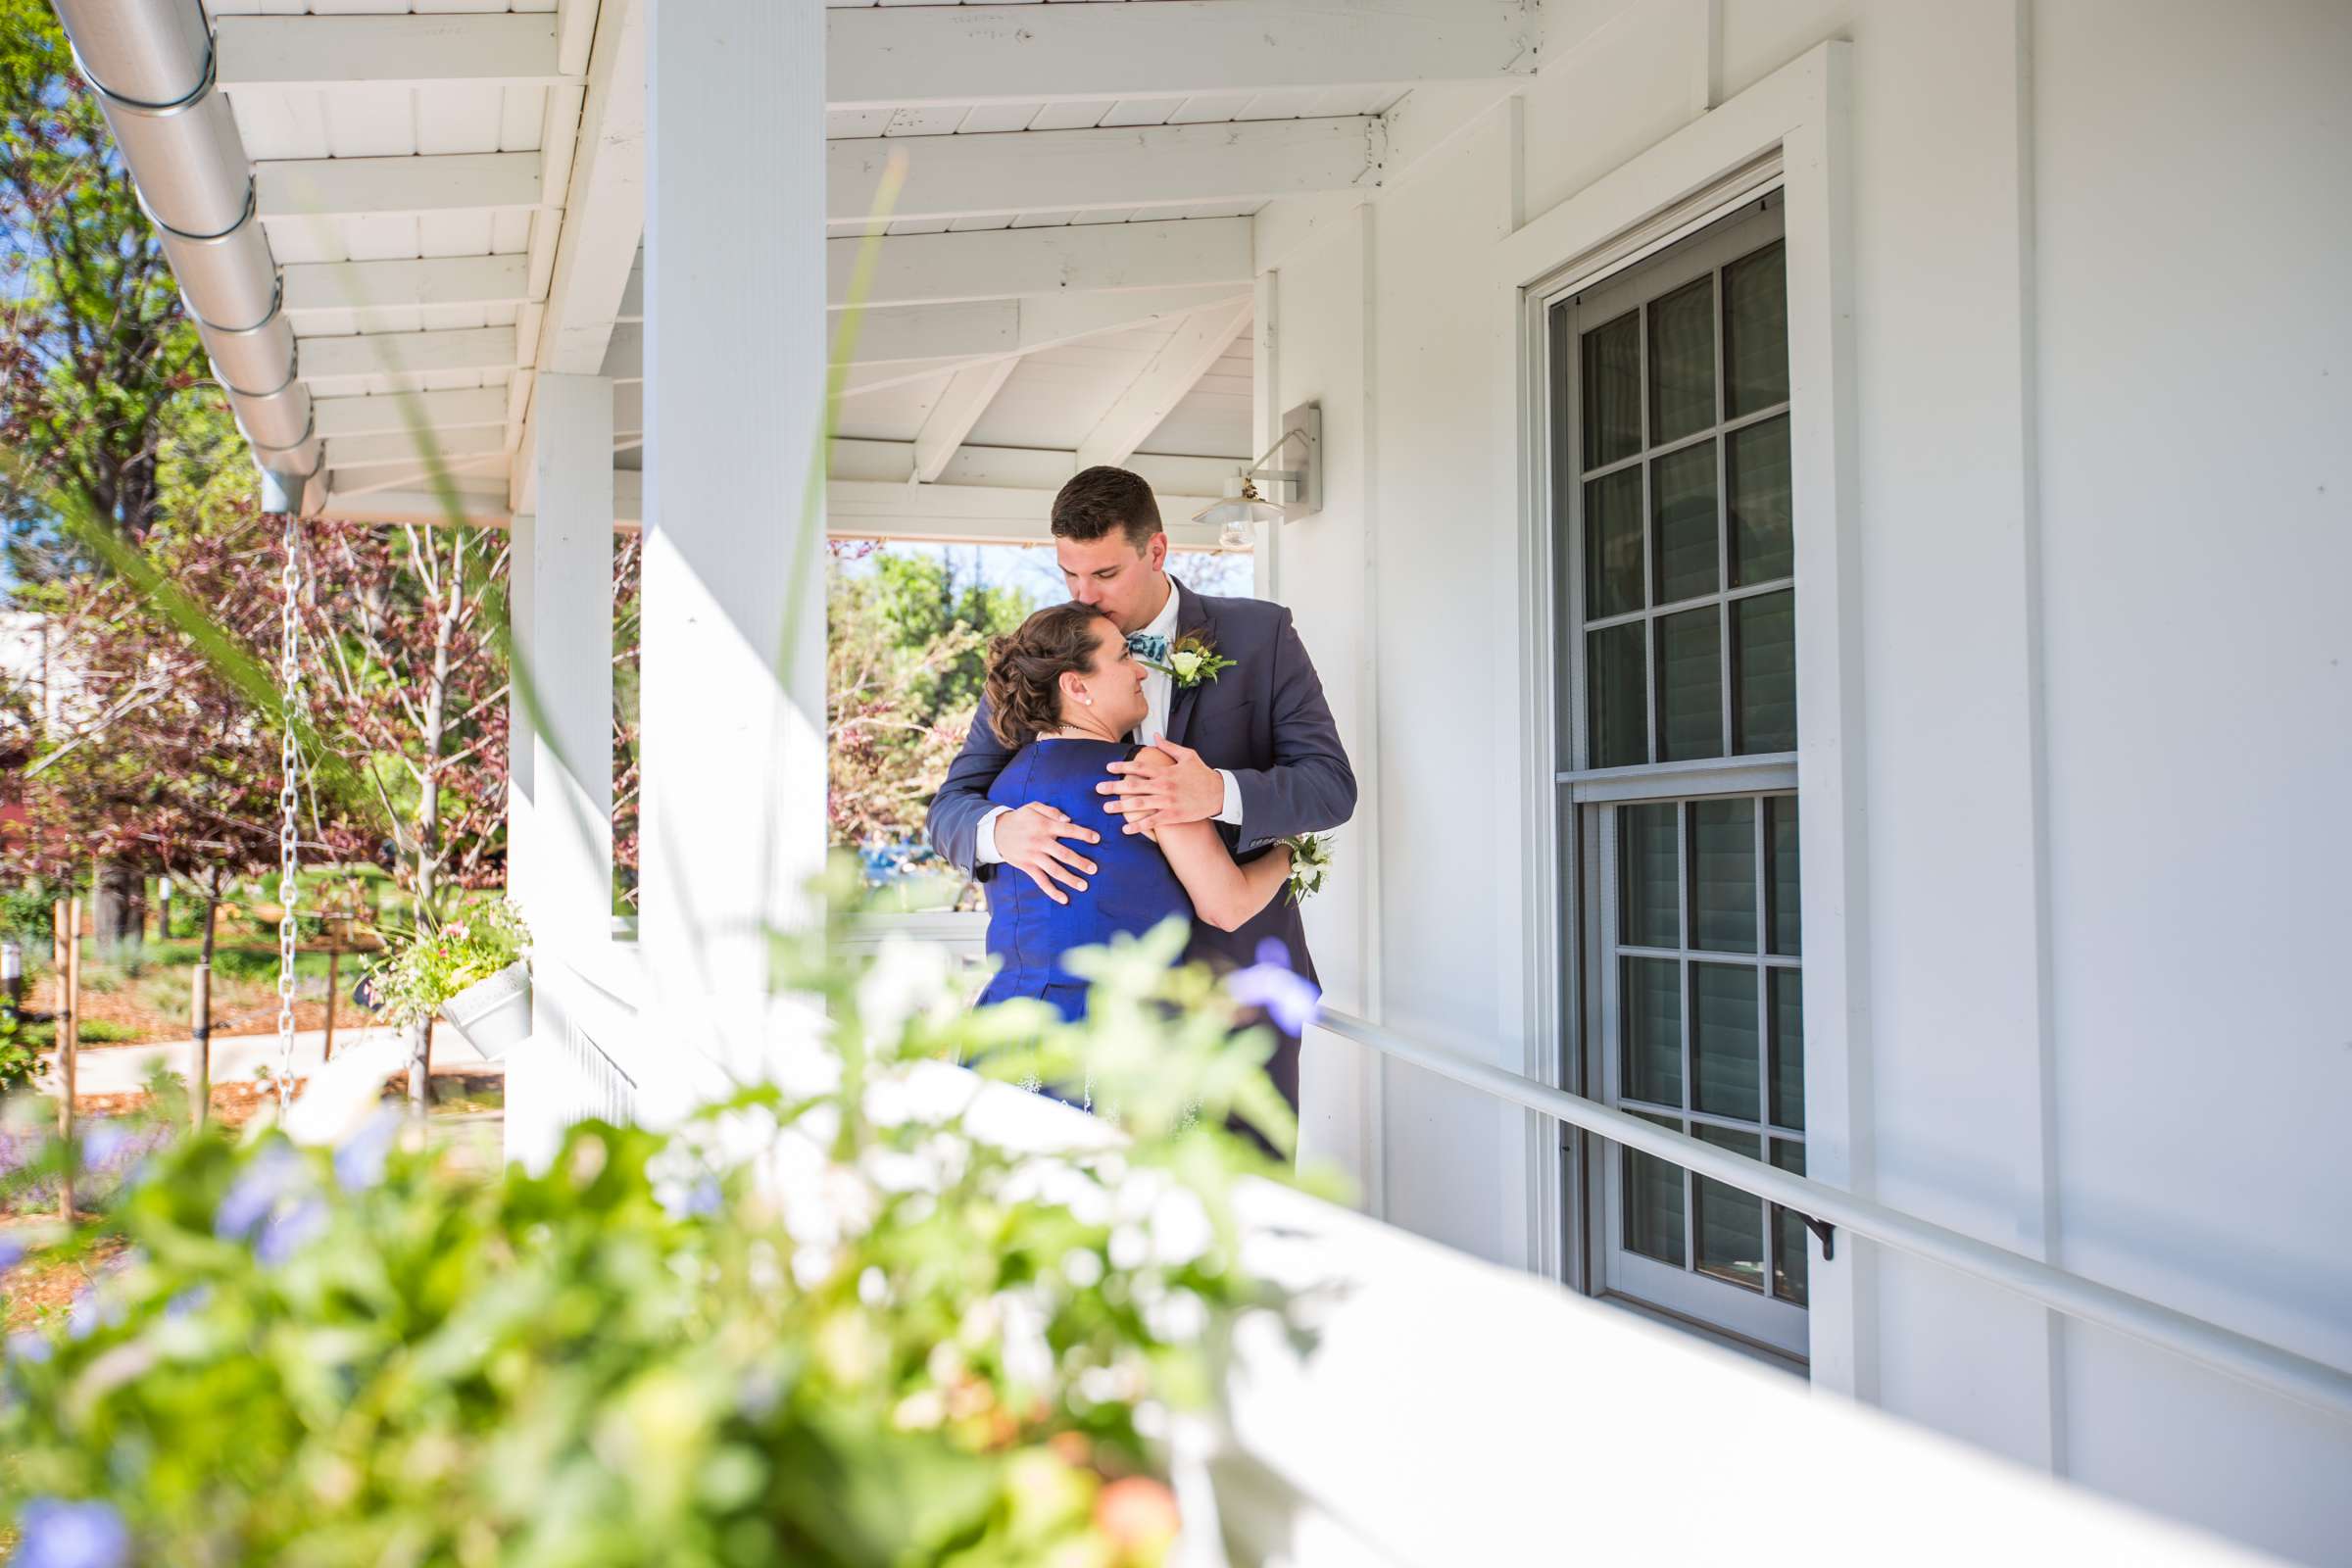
494, 1014
472, 969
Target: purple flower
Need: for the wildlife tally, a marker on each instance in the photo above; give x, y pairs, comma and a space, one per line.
28, 1346
253, 1194
1289, 1000
71, 1535
192, 1299
360, 1162
290, 1229
102, 1143
12, 1253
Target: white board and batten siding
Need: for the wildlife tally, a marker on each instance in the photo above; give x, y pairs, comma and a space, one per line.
2100, 726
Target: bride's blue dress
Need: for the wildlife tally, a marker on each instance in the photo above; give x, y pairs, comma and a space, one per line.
1131, 891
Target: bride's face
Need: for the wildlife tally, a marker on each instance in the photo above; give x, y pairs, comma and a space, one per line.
1115, 684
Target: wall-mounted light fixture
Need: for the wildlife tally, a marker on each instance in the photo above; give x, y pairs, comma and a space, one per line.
1260, 494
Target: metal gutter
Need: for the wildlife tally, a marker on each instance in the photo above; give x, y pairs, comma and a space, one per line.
152, 65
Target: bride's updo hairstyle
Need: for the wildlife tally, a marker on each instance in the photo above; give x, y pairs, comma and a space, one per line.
1025, 668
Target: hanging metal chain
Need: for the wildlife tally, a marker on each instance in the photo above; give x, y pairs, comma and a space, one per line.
289, 676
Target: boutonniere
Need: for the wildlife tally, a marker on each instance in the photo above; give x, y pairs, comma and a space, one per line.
1310, 863
1191, 660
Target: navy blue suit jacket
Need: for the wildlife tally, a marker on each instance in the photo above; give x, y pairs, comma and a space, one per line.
1266, 719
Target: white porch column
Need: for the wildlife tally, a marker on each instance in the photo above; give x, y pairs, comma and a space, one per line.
559, 826
733, 734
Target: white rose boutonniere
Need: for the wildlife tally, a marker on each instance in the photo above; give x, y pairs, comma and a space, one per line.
1310, 863
1191, 660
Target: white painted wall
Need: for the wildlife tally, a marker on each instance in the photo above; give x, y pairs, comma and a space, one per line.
2104, 361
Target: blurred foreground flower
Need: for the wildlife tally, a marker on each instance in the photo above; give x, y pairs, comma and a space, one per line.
71, 1535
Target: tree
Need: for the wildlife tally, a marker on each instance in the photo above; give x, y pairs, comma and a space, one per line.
102, 377
151, 756
404, 631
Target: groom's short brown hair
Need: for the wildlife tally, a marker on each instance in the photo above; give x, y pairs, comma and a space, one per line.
1102, 499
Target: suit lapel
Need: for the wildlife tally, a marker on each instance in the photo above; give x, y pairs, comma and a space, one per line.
1191, 615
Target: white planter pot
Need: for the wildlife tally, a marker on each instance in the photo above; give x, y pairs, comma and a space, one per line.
494, 1014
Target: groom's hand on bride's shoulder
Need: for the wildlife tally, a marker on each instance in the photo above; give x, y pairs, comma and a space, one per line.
1164, 784
1030, 839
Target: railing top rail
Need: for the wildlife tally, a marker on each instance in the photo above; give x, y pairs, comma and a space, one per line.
2264, 1366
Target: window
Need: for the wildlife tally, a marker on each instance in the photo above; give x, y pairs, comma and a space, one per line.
1676, 621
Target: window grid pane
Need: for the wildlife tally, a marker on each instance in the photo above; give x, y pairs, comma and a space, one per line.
1709, 1029
1685, 502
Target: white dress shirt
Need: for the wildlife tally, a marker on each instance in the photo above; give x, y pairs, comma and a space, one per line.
1159, 695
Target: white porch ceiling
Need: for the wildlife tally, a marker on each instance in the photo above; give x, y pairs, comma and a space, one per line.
454, 192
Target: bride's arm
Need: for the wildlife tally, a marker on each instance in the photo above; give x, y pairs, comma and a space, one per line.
1223, 893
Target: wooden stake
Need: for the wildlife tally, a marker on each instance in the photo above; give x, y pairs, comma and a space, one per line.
334, 959
66, 919
200, 1013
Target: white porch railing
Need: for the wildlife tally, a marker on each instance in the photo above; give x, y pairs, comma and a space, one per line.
2266, 1366
592, 1025
1450, 1410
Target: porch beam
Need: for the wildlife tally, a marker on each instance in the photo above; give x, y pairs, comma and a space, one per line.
604, 224
1039, 468
860, 509
1174, 370
931, 338
1107, 168
1009, 262
308, 52
385, 412
345, 453
356, 188
966, 397
888, 57
313, 286
471, 348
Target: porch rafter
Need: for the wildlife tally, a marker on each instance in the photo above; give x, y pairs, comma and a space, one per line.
1008, 262
1107, 168
473, 348
314, 286
476, 49
1174, 370
379, 187
386, 412
887, 57
931, 338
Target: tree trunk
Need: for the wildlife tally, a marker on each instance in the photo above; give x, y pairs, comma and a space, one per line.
428, 806
201, 996
118, 905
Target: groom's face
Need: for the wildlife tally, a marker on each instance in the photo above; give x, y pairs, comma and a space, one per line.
1127, 584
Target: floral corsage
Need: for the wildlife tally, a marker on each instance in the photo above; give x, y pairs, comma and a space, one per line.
1310, 862
1191, 660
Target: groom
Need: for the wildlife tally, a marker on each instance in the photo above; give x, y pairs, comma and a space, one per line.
1254, 748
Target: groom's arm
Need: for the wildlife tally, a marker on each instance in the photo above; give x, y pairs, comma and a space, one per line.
1310, 788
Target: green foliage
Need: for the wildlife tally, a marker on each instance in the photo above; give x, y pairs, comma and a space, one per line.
432, 964
24, 913
925, 602
19, 1062
834, 1324
905, 655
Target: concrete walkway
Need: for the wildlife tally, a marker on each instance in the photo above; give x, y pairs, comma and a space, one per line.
124, 1069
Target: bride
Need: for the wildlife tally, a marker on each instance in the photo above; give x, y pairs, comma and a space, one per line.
1065, 692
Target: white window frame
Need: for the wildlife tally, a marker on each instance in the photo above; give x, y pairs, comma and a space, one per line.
1789, 130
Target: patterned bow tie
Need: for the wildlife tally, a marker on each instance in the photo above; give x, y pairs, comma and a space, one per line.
1150, 645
